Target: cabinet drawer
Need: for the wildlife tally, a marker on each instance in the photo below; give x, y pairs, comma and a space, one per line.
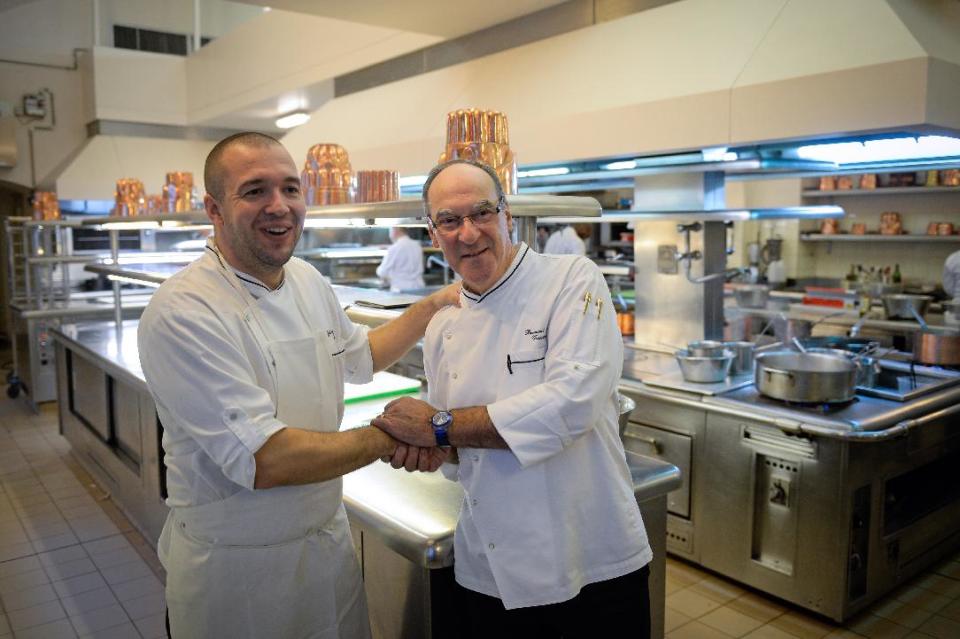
671, 447
88, 396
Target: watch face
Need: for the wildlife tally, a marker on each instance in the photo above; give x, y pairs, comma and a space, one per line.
440, 418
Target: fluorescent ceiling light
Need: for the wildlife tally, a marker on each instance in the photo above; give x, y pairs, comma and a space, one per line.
556, 170
291, 120
620, 166
883, 150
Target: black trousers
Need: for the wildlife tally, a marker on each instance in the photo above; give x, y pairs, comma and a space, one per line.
617, 607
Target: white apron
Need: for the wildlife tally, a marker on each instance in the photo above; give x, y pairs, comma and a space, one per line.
275, 563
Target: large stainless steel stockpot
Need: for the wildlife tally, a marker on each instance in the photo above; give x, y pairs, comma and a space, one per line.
898, 306
805, 377
705, 348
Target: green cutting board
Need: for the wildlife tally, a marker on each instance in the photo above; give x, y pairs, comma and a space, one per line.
383, 385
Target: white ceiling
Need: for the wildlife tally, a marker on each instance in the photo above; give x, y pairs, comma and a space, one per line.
435, 17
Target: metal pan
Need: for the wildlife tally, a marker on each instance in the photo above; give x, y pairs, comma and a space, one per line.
805, 377
937, 346
852, 344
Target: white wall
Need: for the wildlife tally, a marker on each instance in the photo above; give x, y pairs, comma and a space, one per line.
105, 159
46, 31
50, 147
137, 86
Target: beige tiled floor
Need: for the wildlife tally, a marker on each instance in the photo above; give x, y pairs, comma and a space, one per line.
71, 565
701, 605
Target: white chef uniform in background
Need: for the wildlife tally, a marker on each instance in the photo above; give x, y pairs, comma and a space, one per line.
556, 511
951, 275
229, 365
565, 242
402, 266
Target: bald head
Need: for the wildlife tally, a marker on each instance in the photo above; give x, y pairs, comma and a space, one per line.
440, 168
214, 170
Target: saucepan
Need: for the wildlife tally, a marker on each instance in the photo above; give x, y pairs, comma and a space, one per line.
868, 366
704, 370
742, 356
936, 345
902, 306
626, 407
852, 344
805, 377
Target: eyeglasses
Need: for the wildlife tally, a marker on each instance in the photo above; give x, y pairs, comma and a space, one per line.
486, 214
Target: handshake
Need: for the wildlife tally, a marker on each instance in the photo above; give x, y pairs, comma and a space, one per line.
407, 420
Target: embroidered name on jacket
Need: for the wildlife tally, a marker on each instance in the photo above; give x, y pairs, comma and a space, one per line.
536, 335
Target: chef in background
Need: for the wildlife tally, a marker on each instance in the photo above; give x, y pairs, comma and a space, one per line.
402, 268
569, 240
245, 352
522, 382
951, 276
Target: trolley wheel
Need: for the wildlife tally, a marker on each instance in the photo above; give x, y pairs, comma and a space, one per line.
13, 390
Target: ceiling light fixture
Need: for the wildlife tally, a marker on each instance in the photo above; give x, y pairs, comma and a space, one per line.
291, 120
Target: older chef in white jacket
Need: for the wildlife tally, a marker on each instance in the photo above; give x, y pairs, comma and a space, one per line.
523, 382
402, 267
245, 352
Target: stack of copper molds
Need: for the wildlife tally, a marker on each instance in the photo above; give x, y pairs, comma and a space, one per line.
45, 206
376, 186
473, 134
326, 175
178, 192
129, 198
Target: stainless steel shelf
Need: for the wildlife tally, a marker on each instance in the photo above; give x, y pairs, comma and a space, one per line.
894, 190
936, 239
716, 215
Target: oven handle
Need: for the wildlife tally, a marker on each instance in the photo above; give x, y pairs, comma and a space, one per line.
652, 441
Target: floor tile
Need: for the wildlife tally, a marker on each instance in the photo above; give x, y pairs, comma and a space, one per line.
728, 620
717, 589
941, 585
682, 573
23, 580
28, 597
769, 632
753, 605
877, 627
115, 557
118, 575
94, 527
941, 627
801, 625
690, 603
4, 626
147, 585
123, 631
106, 544
68, 569
673, 619
153, 627
76, 585
93, 620
52, 543
63, 555
902, 613
145, 606
61, 629
696, 630
35, 615
89, 600
17, 566
922, 598
952, 611
949, 568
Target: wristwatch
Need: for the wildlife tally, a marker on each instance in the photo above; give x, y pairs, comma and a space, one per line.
441, 422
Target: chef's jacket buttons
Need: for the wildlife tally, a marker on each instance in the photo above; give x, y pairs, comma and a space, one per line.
183, 526
490, 546
576, 367
473, 501
448, 335
232, 416
476, 458
454, 375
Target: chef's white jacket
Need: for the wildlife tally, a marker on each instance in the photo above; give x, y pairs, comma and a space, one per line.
208, 369
556, 511
565, 242
403, 265
951, 275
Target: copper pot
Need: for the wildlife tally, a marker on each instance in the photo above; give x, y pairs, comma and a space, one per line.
828, 183
483, 136
376, 186
944, 228
178, 192
859, 228
129, 198
327, 176
829, 227
868, 181
932, 228
46, 206
625, 322
938, 346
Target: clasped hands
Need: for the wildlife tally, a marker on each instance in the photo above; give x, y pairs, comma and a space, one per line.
408, 421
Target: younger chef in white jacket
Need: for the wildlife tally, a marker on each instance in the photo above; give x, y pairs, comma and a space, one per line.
245, 352
402, 267
523, 382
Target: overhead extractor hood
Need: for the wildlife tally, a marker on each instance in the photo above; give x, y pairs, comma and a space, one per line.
680, 77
